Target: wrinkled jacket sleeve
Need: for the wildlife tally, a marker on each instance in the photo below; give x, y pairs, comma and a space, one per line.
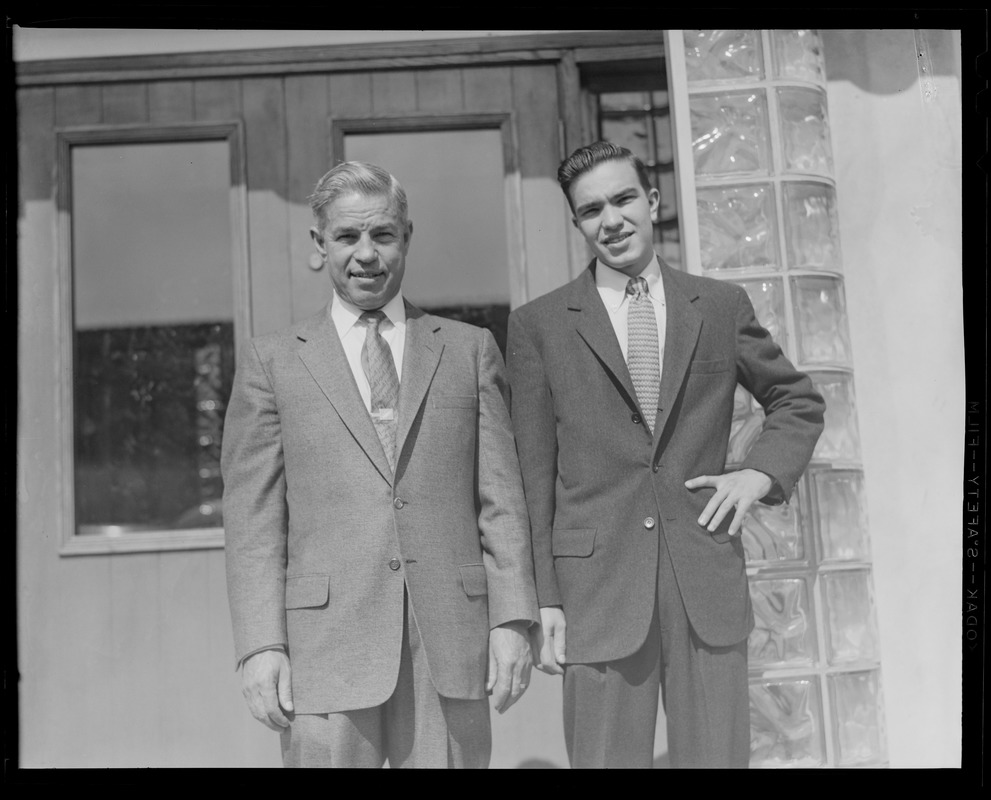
255, 510
536, 442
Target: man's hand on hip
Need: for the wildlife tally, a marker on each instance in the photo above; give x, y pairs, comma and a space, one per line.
548, 645
266, 685
510, 661
740, 489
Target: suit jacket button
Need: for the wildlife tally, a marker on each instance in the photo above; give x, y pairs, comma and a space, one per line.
648, 523
635, 417
399, 502
394, 564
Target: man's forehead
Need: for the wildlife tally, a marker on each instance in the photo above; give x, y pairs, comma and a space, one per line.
605, 180
357, 208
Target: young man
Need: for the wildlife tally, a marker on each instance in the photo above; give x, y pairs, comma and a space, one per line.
378, 558
622, 396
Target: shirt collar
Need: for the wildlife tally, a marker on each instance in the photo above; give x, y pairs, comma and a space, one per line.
612, 283
346, 314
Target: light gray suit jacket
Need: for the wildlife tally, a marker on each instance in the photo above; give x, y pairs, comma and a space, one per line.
321, 536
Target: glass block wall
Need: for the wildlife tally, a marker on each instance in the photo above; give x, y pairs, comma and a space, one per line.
766, 206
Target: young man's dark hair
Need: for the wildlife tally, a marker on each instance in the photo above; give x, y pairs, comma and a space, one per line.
587, 158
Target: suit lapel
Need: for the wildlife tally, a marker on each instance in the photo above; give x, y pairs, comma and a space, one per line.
684, 322
323, 355
420, 359
594, 327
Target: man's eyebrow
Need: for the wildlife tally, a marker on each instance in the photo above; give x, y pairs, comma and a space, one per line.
587, 206
614, 196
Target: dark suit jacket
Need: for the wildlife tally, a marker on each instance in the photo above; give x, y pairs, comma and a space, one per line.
321, 535
598, 483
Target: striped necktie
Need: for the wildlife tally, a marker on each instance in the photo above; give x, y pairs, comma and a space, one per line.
383, 380
643, 350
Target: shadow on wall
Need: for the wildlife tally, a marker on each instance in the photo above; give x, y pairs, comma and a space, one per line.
886, 62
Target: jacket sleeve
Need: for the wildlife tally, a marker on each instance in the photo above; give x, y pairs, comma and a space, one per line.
793, 409
502, 520
255, 510
536, 443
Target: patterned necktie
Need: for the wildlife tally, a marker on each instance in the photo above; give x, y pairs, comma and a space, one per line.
383, 380
643, 350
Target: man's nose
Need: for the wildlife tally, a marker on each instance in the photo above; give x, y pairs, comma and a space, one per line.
364, 251
611, 218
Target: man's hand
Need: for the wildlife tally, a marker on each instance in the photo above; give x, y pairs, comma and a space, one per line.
740, 489
548, 646
509, 664
265, 684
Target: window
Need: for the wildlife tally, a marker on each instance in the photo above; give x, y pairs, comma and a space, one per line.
464, 256
151, 301
626, 103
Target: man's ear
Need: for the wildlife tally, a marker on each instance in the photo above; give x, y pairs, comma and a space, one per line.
574, 221
317, 238
654, 200
409, 233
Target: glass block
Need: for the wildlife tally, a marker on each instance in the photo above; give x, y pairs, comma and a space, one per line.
629, 131
849, 612
623, 101
798, 55
811, 226
783, 635
858, 722
723, 55
768, 299
738, 228
786, 723
773, 534
748, 420
730, 133
841, 509
840, 439
820, 321
804, 130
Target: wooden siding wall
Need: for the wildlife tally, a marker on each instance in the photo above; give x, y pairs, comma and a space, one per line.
127, 659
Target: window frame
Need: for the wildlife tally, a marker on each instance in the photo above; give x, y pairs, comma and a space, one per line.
68, 138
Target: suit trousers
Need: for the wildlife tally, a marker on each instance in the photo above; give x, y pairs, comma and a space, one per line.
416, 727
610, 709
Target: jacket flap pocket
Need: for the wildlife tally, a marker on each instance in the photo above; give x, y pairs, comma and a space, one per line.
474, 580
719, 365
307, 591
454, 401
574, 542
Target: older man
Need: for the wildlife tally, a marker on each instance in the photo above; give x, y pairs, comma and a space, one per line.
622, 398
378, 557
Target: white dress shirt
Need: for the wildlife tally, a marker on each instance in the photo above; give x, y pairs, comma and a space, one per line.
347, 319
612, 289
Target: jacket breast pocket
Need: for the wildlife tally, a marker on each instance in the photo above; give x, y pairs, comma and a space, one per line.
577, 542
708, 367
473, 579
454, 401
307, 591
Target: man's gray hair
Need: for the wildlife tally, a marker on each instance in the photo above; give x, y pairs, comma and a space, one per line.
357, 177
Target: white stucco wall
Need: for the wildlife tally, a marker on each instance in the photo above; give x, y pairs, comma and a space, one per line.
896, 142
